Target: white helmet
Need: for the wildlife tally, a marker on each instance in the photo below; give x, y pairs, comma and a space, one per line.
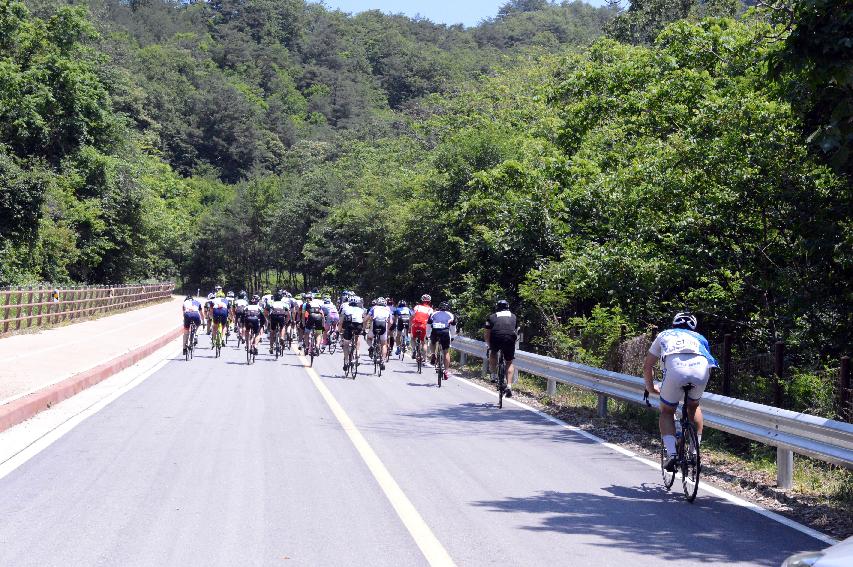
685, 321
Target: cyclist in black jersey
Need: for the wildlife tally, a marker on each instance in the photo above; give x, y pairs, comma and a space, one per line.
500, 332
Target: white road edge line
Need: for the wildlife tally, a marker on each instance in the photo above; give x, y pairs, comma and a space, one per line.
429, 545
50, 437
703, 486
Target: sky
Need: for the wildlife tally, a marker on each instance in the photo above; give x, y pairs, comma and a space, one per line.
468, 12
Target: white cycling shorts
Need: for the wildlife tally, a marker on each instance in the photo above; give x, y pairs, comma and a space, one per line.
681, 369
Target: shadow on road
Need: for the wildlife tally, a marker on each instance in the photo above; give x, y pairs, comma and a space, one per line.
649, 520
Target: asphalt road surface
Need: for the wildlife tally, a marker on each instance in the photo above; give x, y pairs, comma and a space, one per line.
213, 462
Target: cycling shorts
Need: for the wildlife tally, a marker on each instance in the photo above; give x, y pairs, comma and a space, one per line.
220, 316
190, 317
419, 332
314, 324
252, 324
504, 344
332, 322
353, 330
401, 325
442, 337
682, 369
278, 321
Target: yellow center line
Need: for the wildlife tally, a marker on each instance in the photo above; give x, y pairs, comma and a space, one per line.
429, 545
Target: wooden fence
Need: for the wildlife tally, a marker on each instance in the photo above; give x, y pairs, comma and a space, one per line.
27, 308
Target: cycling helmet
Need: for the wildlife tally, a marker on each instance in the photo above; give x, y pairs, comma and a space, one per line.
327, 297
389, 301
288, 294
380, 301
211, 296
243, 294
230, 295
188, 298
277, 296
267, 292
219, 288
444, 306
353, 300
402, 304
426, 298
502, 305
255, 299
685, 320
327, 301
308, 296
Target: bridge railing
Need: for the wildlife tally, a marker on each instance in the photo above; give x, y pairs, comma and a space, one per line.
790, 432
32, 307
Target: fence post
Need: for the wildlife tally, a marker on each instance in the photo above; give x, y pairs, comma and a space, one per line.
552, 387
8, 295
845, 408
602, 405
779, 370
30, 319
784, 468
727, 364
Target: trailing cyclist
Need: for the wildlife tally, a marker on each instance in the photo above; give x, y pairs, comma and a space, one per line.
351, 327
314, 319
208, 312
191, 310
420, 317
240, 312
229, 300
219, 292
441, 328
500, 332
400, 323
686, 359
220, 319
332, 318
279, 313
252, 322
379, 327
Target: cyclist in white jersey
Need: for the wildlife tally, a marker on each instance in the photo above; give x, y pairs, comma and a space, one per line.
686, 359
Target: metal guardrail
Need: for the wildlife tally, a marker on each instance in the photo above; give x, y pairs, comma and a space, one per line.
790, 432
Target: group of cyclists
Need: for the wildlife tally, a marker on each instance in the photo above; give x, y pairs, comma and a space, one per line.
317, 320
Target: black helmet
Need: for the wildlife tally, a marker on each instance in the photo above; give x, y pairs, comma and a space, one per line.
255, 299
502, 305
444, 306
402, 303
277, 296
188, 298
685, 320
243, 294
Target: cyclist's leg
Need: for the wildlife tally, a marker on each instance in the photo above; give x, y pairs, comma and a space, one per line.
695, 413
446, 346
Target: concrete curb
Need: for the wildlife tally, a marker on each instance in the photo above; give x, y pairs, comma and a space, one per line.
24, 408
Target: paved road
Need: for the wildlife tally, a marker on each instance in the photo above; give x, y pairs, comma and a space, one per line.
212, 462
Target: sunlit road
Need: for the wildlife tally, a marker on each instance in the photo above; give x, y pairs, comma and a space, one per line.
213, 462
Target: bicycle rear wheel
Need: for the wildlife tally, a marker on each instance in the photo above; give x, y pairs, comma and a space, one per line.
333, 343
439, 363
312, 345
419, 356
501, 381
691, 462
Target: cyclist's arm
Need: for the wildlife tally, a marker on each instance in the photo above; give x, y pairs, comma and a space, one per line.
649, 371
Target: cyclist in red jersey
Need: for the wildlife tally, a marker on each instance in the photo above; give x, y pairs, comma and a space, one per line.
420, 316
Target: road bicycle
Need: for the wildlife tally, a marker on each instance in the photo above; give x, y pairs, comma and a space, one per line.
250, 349
239, 333
439, 362
313, 351
687, 453
334, 337
419, 353
191, 341
404, 343
278, 345
352, 359
217, 339
501, 377
377, 355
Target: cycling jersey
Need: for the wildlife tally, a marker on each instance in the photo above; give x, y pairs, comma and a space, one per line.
421, 315
502, 324
331, 311
442, 322
279, 308
380, 313
314, 314
240, 306
681, 341
191, 305
403, 313
253, 312
352, 315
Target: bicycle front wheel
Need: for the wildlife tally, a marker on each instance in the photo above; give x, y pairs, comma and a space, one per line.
501, 382
691, 462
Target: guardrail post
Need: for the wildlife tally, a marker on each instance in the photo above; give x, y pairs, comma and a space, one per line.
727, 364
602, 405
779, 370
552, 387
463, 358
518, 340
845, 407
784, 468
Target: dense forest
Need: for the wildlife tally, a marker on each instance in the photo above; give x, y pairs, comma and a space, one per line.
600, 167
